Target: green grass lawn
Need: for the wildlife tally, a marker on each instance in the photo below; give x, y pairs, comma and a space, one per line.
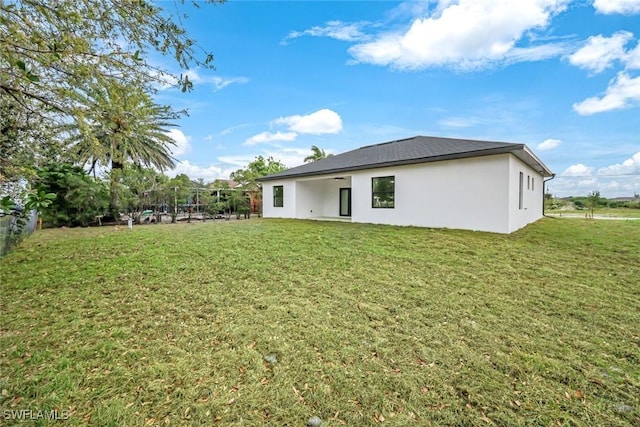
275, 321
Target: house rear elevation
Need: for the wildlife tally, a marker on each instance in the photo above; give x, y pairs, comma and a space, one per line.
420, 181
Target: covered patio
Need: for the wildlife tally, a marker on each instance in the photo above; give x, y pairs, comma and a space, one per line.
327, 199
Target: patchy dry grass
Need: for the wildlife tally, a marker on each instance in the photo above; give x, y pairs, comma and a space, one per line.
273, 322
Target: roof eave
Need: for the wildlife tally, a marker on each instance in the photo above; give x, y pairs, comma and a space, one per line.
541, 167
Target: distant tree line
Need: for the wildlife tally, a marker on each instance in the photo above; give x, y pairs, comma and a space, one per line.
75, 198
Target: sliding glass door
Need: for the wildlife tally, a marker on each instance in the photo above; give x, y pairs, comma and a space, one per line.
345, 202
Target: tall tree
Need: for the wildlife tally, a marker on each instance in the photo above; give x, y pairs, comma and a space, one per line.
21, 151
122, 125
259, 167
177, 190
316, 154
49, 49
141, 188
54, 54
247, 178
592, 201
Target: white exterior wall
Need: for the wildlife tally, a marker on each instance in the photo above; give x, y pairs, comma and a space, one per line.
467, 193
480, 193
331, 206
532, 197
288, 209
310, 198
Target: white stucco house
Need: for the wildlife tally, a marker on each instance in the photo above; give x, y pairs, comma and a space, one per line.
420, 181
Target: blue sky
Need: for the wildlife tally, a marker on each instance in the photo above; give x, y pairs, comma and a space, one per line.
561, 76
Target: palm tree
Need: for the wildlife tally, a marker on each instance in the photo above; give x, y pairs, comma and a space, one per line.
122, 124
316, 154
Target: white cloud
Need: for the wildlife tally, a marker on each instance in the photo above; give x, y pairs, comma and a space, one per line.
232, 129
411, 9
208, 138
318, 123
265, 137
549, 144
465, 34
632, 59
220, 83
617, 180
535, 53
290, 157
167, 81
193, 76
600, 52
334, 29
568, 186
623, 91
625, 7
608, 186
183, 142
207, 173
164, 80
630, 166
577, 170
236, 161
459, 122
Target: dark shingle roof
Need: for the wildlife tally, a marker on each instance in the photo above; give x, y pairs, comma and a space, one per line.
419, 149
